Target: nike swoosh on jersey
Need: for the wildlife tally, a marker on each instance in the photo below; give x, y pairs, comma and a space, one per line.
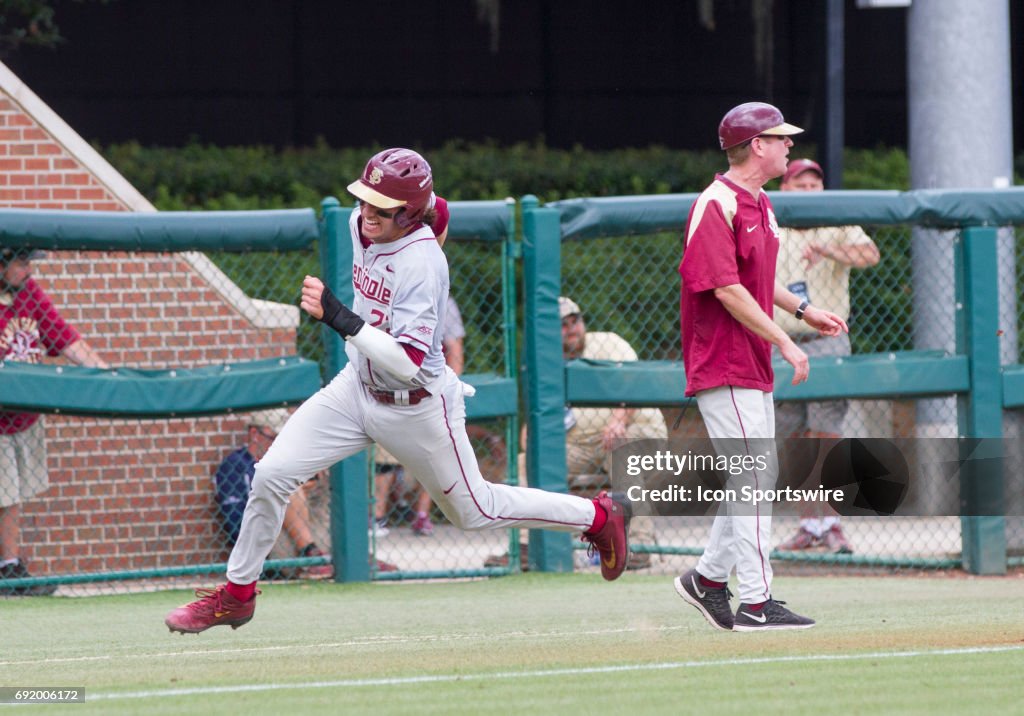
452, 487
760, 619
751, 228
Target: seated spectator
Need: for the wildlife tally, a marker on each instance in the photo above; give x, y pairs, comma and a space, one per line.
593, 433
233, 481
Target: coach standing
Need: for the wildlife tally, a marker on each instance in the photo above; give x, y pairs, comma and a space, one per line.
728, 292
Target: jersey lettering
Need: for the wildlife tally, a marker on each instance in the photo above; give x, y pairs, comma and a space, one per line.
371, 287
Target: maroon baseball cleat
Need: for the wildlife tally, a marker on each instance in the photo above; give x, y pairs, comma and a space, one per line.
214, 607
611, 541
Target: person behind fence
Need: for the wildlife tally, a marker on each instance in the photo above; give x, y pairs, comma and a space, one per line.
814, 263
593, 433
30, 328
397, 391
728, 292
233, 481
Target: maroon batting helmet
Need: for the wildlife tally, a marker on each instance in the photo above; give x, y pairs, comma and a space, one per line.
397, 178
743, 123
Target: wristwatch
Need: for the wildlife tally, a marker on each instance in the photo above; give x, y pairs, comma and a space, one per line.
800, 310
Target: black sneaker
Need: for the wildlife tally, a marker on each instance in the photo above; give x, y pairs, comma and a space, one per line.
771, 616
712, 602
18, 570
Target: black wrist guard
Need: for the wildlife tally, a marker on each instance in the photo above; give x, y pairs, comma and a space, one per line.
338, 316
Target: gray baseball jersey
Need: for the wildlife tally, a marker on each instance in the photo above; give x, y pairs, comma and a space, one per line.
401, 288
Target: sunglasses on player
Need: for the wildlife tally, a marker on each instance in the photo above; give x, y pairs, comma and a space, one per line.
382, 213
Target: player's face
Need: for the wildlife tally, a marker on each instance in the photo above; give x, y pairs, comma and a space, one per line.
17, 272
804, 181
379, 225
573, 333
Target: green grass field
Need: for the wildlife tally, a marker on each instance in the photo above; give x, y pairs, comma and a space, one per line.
532, 644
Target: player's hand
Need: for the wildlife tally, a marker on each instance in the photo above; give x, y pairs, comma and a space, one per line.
826, 322
312, 291
792, 354
813, 253
320, 303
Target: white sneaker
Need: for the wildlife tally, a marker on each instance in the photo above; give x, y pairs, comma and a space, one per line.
378, 529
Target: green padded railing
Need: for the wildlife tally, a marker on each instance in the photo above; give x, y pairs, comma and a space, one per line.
179, 392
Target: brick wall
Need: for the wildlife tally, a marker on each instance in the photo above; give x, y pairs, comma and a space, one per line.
124, 494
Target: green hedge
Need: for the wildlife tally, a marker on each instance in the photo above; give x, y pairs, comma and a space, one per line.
213, 178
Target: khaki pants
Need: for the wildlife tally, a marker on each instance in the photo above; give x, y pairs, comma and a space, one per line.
23, 473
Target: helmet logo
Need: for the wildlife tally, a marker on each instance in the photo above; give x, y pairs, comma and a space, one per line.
376, 175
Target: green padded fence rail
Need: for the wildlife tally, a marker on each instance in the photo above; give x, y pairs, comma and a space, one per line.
625, 215
128, 392
278, 230
1013, 386
480, 220
235, 231
496, 396
902, 374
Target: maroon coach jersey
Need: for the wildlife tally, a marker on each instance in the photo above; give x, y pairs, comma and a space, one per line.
731, 238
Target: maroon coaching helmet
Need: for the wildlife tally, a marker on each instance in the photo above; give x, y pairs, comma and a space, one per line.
743, 123
397, 178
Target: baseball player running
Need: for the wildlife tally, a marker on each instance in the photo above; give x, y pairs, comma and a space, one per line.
395, 390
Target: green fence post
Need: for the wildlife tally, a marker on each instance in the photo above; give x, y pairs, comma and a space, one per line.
980, 411
510, 254
350, 506
545, 374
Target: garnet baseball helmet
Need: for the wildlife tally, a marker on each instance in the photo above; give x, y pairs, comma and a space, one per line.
743, 123
397, 178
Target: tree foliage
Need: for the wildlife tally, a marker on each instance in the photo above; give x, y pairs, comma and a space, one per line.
30, 23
